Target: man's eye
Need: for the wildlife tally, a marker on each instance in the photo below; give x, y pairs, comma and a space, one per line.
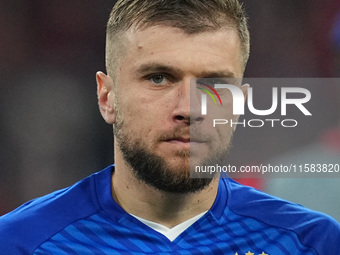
158, 79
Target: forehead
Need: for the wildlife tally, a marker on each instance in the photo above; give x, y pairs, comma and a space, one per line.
192, 53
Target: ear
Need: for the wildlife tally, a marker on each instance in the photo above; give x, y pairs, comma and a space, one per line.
105, 94
244, 89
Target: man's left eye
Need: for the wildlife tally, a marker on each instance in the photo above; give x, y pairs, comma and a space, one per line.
158, 79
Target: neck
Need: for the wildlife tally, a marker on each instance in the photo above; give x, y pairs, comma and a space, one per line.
168, 209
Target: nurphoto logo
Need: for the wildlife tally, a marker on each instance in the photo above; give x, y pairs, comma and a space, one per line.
295, 96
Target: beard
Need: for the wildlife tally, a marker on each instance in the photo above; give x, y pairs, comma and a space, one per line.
154, 171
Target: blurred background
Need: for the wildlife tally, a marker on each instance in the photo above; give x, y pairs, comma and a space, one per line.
52, 134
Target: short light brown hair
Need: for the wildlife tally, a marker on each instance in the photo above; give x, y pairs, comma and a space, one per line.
192, 16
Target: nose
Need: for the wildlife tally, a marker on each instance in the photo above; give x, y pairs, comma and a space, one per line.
188, 107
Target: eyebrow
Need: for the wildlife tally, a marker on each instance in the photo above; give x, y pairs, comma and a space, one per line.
217, 74
161, 68
155, 68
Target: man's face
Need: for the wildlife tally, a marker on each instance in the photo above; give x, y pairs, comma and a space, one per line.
158, 132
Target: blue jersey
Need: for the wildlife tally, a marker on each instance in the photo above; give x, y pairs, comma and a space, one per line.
84, 219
